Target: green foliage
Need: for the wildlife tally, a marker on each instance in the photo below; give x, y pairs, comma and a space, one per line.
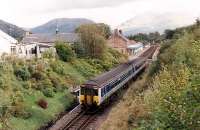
49, 54
65, 52
84, 68
146, 38
48, 92
174, 101
92, 40
23, 73
79, 50
104, 29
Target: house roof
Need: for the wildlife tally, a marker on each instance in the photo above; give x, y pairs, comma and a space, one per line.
117, 33
51, 38
7, 37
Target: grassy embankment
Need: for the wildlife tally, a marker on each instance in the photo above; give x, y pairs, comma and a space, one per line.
172, 99
33, 92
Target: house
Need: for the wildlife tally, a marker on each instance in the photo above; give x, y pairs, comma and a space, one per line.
119, 42
8, 45
51, 39
33, 50
36, 44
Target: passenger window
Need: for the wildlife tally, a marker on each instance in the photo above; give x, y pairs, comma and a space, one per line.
102, 92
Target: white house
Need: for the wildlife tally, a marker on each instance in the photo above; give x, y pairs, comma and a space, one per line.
33, 50
8, 45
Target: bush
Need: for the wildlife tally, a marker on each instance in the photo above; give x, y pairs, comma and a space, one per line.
26, 85
65, 52
49, 54
48, 92
23, 73
42, 103
43, 84
38, 75
58, 67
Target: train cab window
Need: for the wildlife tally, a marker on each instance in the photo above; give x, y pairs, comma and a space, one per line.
89, 91
95, 92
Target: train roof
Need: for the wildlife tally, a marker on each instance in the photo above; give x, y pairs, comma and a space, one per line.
100, 80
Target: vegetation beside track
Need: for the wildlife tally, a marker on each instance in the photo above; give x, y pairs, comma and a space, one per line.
172, 98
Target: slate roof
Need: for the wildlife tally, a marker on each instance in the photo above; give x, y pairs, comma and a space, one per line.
51, 38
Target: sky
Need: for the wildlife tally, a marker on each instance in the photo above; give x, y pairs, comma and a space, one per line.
31, 13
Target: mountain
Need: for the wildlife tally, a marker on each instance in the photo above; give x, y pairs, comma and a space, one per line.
65, 25
155, 22
11, 29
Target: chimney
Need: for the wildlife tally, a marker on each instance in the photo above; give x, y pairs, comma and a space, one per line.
120, 31
27, 33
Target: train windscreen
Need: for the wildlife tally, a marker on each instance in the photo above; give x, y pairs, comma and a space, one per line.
89, 91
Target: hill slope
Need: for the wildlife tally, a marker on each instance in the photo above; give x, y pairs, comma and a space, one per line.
65, 25
11, 29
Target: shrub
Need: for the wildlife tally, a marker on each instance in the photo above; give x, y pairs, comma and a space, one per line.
50, 53
26, 85
43, 84
58, 67
42, 103
38, 75
65, 52
48, 92
23, 73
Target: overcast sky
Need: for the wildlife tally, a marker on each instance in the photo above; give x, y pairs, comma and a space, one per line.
30, 13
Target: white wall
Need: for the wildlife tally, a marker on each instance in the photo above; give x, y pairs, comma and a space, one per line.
5, 46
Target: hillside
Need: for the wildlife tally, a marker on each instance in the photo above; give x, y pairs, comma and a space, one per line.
65, 25
11, 29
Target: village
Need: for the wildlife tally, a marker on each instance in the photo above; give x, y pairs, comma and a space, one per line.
34, 45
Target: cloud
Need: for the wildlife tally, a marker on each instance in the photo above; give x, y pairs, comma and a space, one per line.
92, 3
156, 22
30, 13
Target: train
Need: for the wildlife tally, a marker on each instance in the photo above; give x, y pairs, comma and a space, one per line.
96, 91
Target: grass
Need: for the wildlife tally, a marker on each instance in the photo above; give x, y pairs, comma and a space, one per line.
69, 73
41, 116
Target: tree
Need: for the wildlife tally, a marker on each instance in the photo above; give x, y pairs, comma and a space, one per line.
197, 22
169, 34
65, 52
93, 40
104, 29
140, 37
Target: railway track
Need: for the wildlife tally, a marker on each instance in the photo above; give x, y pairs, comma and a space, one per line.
77, 119
80, 123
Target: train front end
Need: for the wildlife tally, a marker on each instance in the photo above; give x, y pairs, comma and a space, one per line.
89, 96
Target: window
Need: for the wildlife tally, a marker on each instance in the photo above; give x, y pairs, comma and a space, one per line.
20, 50
33, 50
13, 50
89, 91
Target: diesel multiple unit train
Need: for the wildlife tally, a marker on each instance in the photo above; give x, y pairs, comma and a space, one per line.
96, 91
